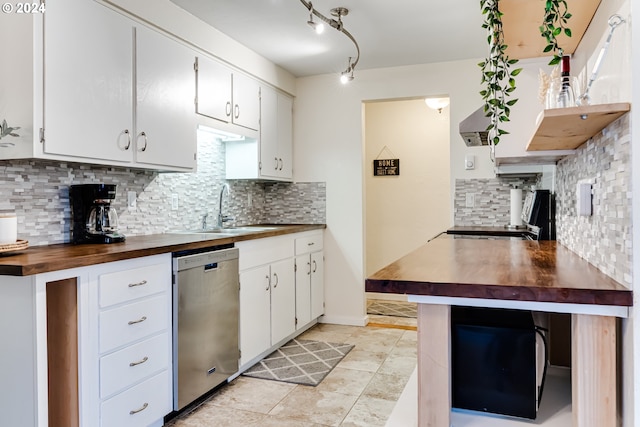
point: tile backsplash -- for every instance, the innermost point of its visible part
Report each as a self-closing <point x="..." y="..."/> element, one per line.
<point x="38" y="191"/>
<point x="604" y="238"/>
<point x="492" y="204"/>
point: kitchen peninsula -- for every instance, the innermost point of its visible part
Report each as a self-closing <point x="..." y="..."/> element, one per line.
<point x="515" y="274"/>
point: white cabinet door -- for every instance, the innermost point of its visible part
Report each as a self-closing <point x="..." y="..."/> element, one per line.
<point x="317" y="284"/>
<point x="214" y="90"/>
<point x="255" y="312"/>
<point x="165" y="92"/>
<point x="283" y="300"/>
<point x="269" y="163"/>
<point x="303" y="290"/>
<point x="88" y="81"/>
<point x="285" y="136"/>
<point x="246" y="102"/>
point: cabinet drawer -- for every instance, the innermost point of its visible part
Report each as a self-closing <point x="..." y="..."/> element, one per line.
<point x="308" y="244"/>
<point x="122" y="286"/>
<point x="264" y="251"/>
<point x="131" y="322"/>
<point x="131" y="364"/>
<point x="141" y="405"/>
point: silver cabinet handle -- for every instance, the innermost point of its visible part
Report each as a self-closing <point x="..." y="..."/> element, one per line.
<point x="135" y="411"/>
<point x="315" y="266"/>
<point x="309" y="272"/>
<point x="227" y="109"/>
<point x="128" y="134"/>
<point x="139" y="362"/>
<point x="276" y="276"/>
<point x="310" y="244"/>
<point x="140" y="320"/>
<point x="144" y="135"/>
<point x="281" y="164"/>
<point x="268" y="282"/>
<point x="133" y="285"/>
<point x="276" y="159"/>
<point x="236" y="111"/>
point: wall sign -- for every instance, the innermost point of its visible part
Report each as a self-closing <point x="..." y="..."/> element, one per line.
<point x="386" y="167"/>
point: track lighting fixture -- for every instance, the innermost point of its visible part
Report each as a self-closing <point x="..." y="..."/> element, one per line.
<point x="336" y="22"/>
<point x="318" y="27"/>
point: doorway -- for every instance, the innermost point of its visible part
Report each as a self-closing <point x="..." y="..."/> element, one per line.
<point x="404" y="209"/>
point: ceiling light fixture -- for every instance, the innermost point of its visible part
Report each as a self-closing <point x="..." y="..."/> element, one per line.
<point x="318" y="27"/>
<point x="338" y="12"/>
<point x="437" y="103"/>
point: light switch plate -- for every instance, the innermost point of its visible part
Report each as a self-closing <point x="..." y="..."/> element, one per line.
<point x="469" y="162"/>
<point x="131" y="200"/>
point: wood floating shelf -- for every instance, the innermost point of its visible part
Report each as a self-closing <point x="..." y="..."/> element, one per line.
<point x="569" y="128"/>
<point x="522" y="20"/>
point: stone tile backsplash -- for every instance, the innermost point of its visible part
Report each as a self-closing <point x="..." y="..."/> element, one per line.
<point x="492" y="199"/>
<point x="38" y="191"/>
<point x="604" y="238"/>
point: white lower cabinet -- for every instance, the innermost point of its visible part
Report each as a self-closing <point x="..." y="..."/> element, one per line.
<point x="309" y="278"/>
<point x="271" y="298"/>
<point x="125" y="343"/>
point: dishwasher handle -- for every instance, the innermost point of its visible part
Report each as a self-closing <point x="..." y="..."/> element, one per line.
<point x="203" y="259"/>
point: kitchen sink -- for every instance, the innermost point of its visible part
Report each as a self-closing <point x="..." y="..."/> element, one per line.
<point x="231" y="231"/>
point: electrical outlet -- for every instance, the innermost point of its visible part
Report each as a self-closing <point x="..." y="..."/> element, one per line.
<point x="131" y="200"/>
<point x="174" y="202"/>
<point x="470" y="200"/>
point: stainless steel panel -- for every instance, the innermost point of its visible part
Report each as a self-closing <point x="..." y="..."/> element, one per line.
<point x="206" y="316"/>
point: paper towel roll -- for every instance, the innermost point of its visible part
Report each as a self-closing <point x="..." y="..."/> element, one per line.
<point x="516" y="207"/>
<point x="8" y="229"/>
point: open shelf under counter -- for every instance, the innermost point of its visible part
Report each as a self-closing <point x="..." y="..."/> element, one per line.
<point x="569" y="128"/>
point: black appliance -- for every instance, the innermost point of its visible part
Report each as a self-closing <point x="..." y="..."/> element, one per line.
<point x="538" y="213"/>
<point x="93" y="219"/>
<point x="498" y="361"/>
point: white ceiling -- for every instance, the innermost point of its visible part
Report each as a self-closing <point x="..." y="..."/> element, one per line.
<point x="389" y="32"/>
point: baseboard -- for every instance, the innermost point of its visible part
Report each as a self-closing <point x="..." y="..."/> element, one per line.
<point x="345" y="320"/>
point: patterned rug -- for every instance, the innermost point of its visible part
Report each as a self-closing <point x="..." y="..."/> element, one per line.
<point x="300" y="362"/>
<point x="392" y="308"/>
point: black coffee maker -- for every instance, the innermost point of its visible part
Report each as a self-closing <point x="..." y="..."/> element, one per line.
<point x="93" y="220"/>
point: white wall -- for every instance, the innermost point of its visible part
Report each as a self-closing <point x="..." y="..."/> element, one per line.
<point x="403" y="212"/>
<point x="328" y="146"/>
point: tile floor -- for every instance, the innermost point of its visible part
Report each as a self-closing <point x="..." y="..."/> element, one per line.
<point x="361" y="391"/>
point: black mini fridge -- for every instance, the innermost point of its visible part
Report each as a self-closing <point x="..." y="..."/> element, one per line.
<point x="498" y="361"/>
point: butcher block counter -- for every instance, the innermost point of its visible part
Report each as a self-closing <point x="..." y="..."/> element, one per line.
<point x="44" y="259"/>
<point x="516" y="274"/>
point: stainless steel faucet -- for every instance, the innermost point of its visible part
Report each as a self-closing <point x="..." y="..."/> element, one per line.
<point x="222" y="218"/>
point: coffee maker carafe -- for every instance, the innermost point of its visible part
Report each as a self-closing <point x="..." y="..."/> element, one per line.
<point x="94" y="220"/>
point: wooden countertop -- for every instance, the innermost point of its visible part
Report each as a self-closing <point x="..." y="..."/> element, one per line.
<point x="43" y="259"/>
<point x="521" y="270"/>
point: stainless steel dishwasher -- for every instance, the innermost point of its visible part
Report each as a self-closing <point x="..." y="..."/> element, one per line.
<point x="206" y="302"/>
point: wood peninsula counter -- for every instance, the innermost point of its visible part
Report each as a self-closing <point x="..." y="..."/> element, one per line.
<point x="517" y="274"/>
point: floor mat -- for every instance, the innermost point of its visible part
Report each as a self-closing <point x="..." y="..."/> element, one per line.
<point x="300" y="362"/>
<point x="392" y="308"/>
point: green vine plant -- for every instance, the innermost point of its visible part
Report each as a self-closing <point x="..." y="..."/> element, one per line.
<point x="554" y="23"/>
<point x="498" y="80"/>
<point x="5" y="130"/>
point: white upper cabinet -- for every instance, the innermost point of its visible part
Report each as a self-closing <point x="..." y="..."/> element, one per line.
<point x="269" y="156"/>
<point x="276" y="135"/>
<point x="227" y="96"/>
<point x="87" y="82"/>
<point x="165" y="93"/>
<point x="105" y="99"/>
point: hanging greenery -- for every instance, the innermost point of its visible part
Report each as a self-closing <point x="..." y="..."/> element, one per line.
<point x="497" y="78"/>
<point x="554" y="23"/>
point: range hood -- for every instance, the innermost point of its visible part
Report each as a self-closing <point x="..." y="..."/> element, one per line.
<point x="473" y="129"/>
